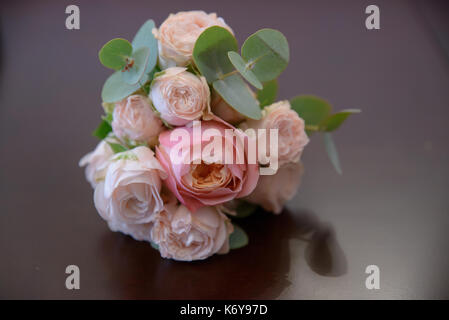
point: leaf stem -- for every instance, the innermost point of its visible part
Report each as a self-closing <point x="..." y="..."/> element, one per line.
<point x="228" y="74"/>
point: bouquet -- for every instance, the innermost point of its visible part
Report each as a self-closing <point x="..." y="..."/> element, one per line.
<point x="192" y="136"/>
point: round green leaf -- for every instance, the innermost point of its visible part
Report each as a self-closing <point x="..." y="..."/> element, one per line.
<point x="336" y="120"/>
<point x="114" y="53"/>
<point x="267" y="52"/>
<point x="210" y="53"/>
<point x="115" y="89"/>
<point x="245" y="209"/>
<point x="268" y="94"/>
<point x="238" y="238"/>
<point x="236" y="93"/>
<point x="133" y="74"/>
<point x="242" y="67"/>
<point x="145" y="38"/>
<point x="313" y="110"/>
<point x="332" y="153"/>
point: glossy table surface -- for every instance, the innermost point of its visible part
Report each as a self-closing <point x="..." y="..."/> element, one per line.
<point x="389" y="208"/>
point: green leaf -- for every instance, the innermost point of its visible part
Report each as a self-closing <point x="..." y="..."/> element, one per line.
<point x="114" y="53"/>
<point x="107" y="117"/>
<point x="145" y="38"/>
<point x="210" y="53"/>
<point x="154" y="245"/>
<point x="108" y="107"/>
<point x="102" y="130"/>
<point x="268" y="52"/>
<point x="116" y="147"/>
<point x="313" y="110"/>
<point x="238" y="238"/>
<point x="245" y="209"/>
<point x="331" y="150"/>
<point x="240" y="64"/>
<point x="336" y="120"/>
<point x="268" y="94"/>
<point x="236" y="93"/>
<point x="115" y="89"/>
<point x="135" y="73"/>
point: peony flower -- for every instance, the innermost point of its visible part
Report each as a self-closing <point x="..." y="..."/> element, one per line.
<point x="220" y="108"/>
<point x="180" y="96"/>
<point x="96" y="163"/>
<point x="130" y="192"/>
<point x="186" y="236"/>
<point x="199" y="180"/>
<point x="291" y="135"/>
<point x="272" y="192"/>
<point x="134" y="119"/>
<point x="178" y="33"/>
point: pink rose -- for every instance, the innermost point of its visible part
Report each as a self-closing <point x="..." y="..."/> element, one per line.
<point x="180" y="96"/>
<point x="96" y="163"/>
<point x="139" y="232"/>
<point x="272" y="192"/>
<point x="178" y="33"/>
<point x="196" y="182"/>
<point x="130" y="193"/>
<point x="134" y="120"/>
<point x="186" y="236"/>
<point x="291" y="135"/>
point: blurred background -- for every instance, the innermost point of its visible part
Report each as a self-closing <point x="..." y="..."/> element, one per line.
<point x="389" y="208"/>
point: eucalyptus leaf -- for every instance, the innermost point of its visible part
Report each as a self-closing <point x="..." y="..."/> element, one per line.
<point x="268" y="52"/>
<point x="245" y="209"/>
<point x="236" y="93"/>
<point x="210" y="53"/>
<point x="268" y="94"/>
<point x="313" y="110"/>
<point x="135" y="73"/>
<point x="102" y="130"/>
<point x="154" y="245"/>
<point x="116" y="147"/>
<point x="115" y="89"/>
<point x="145" y="38"/>
<point x="240" y="64"/>
<point x="332" y="153"/>
<point x="238" y="238"/>
<point x="336" y="120"/>
<point x="114" y="53"/>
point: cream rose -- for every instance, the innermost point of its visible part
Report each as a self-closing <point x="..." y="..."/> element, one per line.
<point x="130" y="192"/>
<point x="272" y="192"/>
<point x="178" y="33"/>
<point x="134" y="119"/>
<point x="180" y="96"/>
<point x="96" y="163"/>
<point x="182" y="235"/>
<point x="291" y="135"/>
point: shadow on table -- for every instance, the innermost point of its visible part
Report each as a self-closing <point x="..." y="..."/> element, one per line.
<point x="258" y="271"/>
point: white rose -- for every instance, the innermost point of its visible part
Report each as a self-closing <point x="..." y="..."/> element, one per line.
<point x="184" y="236"/>
<point x="134" y="119"/>
<point x="292" y="137"/>
<point x="130" y="192"/>
<point x="96" y="163"/>
<point x="178" y="33"/>
<point x="273" y="191"/>
<point x="180" y="96"/>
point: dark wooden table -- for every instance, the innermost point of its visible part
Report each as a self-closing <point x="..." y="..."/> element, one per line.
<point x="390" y="207"/>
